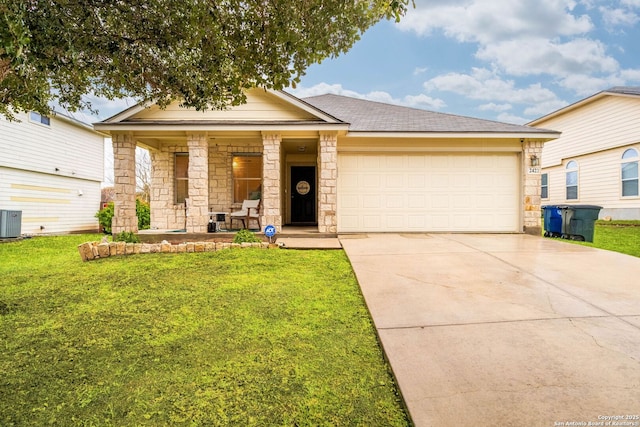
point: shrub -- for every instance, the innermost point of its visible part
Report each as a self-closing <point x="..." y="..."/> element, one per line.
<point x="126" y="236"/>
<point x="143" y="212"/>
<point x="105" y="216"/>
<point x="244" y="236"/>
<point x="144" y="215"/>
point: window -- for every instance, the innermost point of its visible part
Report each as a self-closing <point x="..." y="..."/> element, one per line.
<point x="39" y="118"/>
<point x="247" y="177"/>
<point x="181" y="177"/>
<point x="572" y="180"/>
<point x="629" y="173"/>
<point x="544" y="193"/>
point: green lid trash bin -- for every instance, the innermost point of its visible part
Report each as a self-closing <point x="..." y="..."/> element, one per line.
<point x="578" y="221"/>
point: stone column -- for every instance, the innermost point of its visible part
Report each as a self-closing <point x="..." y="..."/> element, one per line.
<point x="124" y="173"/>
<point x="532" y="181"/>
<point x="271" y="189"/>
<point x="328" y="183"/>
<point x="198" y="205"/>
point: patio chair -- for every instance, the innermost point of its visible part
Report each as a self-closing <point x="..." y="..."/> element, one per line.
<point x="250" y="211"/>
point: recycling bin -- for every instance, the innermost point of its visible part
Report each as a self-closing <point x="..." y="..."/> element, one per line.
<point x="552" y="219"/>
<point x="578" y="221"/>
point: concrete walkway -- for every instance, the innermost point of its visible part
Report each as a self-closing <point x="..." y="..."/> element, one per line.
<point x="504" y="330"/>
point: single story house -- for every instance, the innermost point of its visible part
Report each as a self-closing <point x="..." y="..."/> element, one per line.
<point x="51" y="168"/>
<point x="595" y="161"/>
<point x="339" y="163"/>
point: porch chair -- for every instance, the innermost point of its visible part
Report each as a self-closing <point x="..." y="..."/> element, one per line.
<point x="250" y="211"/>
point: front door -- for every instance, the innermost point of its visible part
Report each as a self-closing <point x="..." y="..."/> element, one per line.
<point x="303" y="194"/>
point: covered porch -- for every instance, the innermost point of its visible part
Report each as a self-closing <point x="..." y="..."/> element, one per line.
<point x="205" y="164"/>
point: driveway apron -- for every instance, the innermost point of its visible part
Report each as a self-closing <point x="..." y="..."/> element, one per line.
<point x="511" y="330"/>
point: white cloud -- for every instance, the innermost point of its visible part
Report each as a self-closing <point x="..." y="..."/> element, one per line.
<point x="543" y="56"/>
<point x="495" y="107"/>
<point x="486" y="85"/>
<point x="487" y="21"/>
<point x="416" y="101"/>
<point x="618" y="17"/>
<point x="420" y="70"/>
<point x="510" y="118"/>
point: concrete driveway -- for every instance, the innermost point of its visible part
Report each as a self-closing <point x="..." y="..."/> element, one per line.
<point x="509" y="330"/>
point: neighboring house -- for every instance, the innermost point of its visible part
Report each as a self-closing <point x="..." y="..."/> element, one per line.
<point x="595" y="161"/>
<point x="50" y="170"/>
<point x="343" y="164"/>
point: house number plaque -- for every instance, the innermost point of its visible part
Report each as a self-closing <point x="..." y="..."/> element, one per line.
<point x="303" y="188"/>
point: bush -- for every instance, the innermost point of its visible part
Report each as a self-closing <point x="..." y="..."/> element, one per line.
<point x="144" y="215"/>
<point x="126" y="236"/>
<point x="245" y="236"/>
<point x="105" y="216"/>
<point x="143" y="212"/>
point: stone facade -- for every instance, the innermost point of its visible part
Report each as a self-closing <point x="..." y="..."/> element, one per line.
<point x="532" y="180"/>
<point x="166" y="214"/>
<point x="328" y="183"/>
<point x="124" y="171"/>
<point x="198" y="204"/>
<point x="271" y="188"/>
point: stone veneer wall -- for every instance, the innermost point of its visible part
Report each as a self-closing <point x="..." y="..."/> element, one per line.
<point x="532" y="188"/>
<point x="271" y="209"/>
<point x="197" y="219"/>
<point x="328" y="183"/>
<point x="221" y="173"/>
<point x="165" y="213"/>
<point x="124" y="171"/>
<point x="96" y="250"/>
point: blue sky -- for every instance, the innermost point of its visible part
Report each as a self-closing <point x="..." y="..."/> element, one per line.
<point x="506" y="60"/>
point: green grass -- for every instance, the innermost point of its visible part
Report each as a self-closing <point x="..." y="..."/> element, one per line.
<point x="617" y="236"/>
<point x="236" y="337"/>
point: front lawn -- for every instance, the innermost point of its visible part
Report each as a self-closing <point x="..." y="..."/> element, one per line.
<point x="235" y="337"/>
<point x="617" y="236"/>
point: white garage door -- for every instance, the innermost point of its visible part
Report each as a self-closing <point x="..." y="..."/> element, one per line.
<point x="428" y="192"/>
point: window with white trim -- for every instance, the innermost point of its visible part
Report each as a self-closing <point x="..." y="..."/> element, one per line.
<point x="629" y="173"/>
<point x="36" y="117"/>
<point x="544" y="190"/>
<point x="572" y="180"/>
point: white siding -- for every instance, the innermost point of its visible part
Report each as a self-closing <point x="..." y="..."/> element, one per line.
<point x="612" y="121"/>
<point x="59" y="204"/>
<point x="77" y="152"/>
<point x="51" y="201"/>
<point x="260" y="105"/>
<point x="595" y="135"/>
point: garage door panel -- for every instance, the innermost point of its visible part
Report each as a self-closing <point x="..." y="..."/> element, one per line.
<point x="428" y="192"/>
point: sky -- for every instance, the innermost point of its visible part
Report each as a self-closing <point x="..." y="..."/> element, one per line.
<point x="506" y="60"/>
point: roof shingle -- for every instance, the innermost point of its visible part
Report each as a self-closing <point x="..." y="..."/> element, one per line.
<point x="371" y="116"/>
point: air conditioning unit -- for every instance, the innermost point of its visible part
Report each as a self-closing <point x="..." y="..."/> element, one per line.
<point x="10" y="223"/>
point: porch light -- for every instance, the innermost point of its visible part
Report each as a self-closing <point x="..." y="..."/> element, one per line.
<point x="302" y="148"/>
<point x="535" y="161"/>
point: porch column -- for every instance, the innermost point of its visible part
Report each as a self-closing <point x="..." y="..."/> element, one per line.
<point x="271" y="189"/>
<point x="124" y="174"/>
<point x="328" y="183"/>
<point x="198" y="205"/>
<point x="532" y="184"/>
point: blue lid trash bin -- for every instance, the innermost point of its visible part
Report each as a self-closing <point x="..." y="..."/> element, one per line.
<point x="578" y="221"/>
<point x="552" y="218"/>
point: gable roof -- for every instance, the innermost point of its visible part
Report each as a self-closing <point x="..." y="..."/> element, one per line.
<point x="371" y="116"/>
<point x="631" y="91"/>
